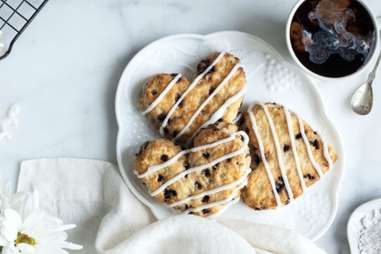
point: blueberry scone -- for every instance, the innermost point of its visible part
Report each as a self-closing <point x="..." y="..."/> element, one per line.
<point x="180" y="108"/>
<point x="203" y="180"/>
<point x="288" y="156"/>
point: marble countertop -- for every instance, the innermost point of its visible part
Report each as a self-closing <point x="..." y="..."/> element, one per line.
<point x="65" y="69"/>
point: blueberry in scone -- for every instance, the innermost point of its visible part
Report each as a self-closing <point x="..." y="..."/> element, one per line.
<point x="180" y="108"/>
<point x="203" y="180"/>
<point x="288" y="156"/>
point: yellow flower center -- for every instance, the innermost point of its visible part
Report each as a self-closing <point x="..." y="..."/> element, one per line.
<point x="24" y="238"/>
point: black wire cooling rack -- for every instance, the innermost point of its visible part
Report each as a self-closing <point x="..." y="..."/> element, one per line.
<point x="15" y="17"/>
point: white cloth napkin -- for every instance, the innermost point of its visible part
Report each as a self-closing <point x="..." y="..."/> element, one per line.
<point x="110" y="220"/>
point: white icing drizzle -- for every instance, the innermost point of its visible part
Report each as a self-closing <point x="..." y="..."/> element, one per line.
<point x="162" y="94"/>
<point x="308" y="147"/>
<point x="241" y="181"/>
<point x="226" y="206"/>
<point x="155" y="168"/>
<point x="327" y="156"/>
<point x="278" y="152"/>
<point x="176" y="178"/>
<point x="220" y="112"/>
<point x="294" y="150"/>
<point x="191" y="86"/>
<point x="217" y="90"/>
<point x="263" y="157"/>
<point x="232" y="199"/>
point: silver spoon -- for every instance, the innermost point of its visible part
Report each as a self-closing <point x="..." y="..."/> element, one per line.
<point x="362" y="99"/>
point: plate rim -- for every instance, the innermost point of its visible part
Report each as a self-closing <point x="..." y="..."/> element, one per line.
<point x="322" y="108"/>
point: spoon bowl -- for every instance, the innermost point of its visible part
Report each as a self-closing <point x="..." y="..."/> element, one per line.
<point x="362" y="99"/>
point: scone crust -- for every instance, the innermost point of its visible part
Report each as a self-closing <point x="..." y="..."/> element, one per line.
<point x="194" y="183"/>
<point x="153" y="88"/>
<point x="258" y="193"/>
<point x="194" y="99"/>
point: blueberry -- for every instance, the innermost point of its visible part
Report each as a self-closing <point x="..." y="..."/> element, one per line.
<point x="162" y="117"/>
<point x="309" y="176"/>
<point x="205" y="199"/>
<point x="169" y="193"/>
<point x="203" y="65"/>
<point x="164" y="158"/>
<point x="206" y="172"/>
<point x="205" y="211"/>
<point x="186" y="165"/>
<point x="256" y="158"/>
<point x="198" y="185"/>
<point x="315" y="143"/>
<point x="206" y="155"/>
<point x="279" y="185"/>
<point x="160" y="178"/>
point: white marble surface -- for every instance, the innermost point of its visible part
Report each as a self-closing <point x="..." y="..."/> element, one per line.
<point x="64" y="71"/>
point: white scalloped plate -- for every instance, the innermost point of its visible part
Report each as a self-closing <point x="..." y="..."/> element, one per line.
<point x="355" y="222"/>
<point x="313" y="213"/>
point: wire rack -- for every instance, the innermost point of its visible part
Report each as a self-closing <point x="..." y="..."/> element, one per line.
<point x="15" y="17"/>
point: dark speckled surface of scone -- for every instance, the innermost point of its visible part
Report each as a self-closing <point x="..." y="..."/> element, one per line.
<point x="195" y="98"/>
<point x="259" y="193"/>
<point x="196" y="192"/>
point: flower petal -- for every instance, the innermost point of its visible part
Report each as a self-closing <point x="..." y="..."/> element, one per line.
<point x="10" y="222"/>
<point x="66" y="227"/>
<point x="7" y="250"/>
<point x="71" y="246"/>
<point x="25" y="248"/>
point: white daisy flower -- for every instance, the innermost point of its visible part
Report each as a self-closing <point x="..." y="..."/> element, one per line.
<point x="32" y="231"/>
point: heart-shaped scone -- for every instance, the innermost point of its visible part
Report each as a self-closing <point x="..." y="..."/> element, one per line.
<point x="288" y="156"/>
<point x="202" y="180"/>
<point x="180" y="108"/>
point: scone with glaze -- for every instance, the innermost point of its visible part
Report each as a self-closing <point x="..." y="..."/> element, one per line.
<point x="203" y="180"/>
<point x="288" y="156"/>
<point x="180" y="108"/>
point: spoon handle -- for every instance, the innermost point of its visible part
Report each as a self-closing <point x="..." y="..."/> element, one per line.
<point x="372" y="75"/>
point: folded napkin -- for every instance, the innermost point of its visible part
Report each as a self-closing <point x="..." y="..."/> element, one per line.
<point x="110" y="220"/>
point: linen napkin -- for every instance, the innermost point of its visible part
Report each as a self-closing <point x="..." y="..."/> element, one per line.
<point x="110" y="220"/>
